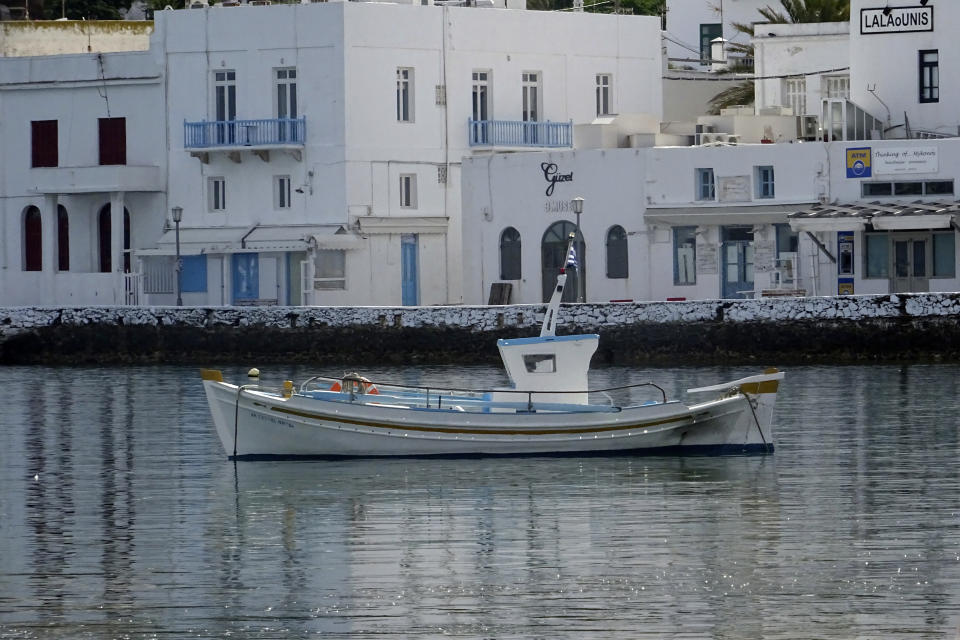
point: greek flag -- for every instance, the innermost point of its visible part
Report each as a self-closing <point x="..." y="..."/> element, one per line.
<point x="571" y="258"/>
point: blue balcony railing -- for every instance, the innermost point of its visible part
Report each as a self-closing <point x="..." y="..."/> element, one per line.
<point x="244" y="133"/>
<point x="517" y="133"/>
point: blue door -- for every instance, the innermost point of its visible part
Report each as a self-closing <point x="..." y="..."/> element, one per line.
<point x="410" y="289"/>
<point x="246" y="277"/>
<point x="737" y="262"/>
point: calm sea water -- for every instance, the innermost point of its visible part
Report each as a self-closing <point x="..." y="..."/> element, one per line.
<point x="121" y="517"/>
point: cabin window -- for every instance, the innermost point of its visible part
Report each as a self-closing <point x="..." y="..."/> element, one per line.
<point x="510" y="254"/>
<point x="540" y="363"/>
<point x="617" y="252"/>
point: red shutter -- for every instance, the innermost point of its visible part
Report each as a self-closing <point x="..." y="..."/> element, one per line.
<point x="43" y="143"/>
<point x="113" y="140"/>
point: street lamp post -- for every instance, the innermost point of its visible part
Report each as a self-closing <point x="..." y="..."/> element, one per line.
<point x="577" y="204"/>
<point x="177" y="217"/>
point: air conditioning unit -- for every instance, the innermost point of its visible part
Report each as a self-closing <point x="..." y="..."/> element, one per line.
<point x="199" y="4"/>
<point x="733" y="138"/>
<point x="708" y="138"/>
<point x="260" y="3"/>
<point x="808" y="128"/>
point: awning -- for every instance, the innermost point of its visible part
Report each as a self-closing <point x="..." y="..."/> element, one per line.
<point x="739" y="214"/>
<point x="252" y="238"/>
<point x="888" y="216"/>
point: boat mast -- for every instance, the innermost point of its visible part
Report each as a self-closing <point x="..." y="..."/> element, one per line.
<point x="549" y="327"/>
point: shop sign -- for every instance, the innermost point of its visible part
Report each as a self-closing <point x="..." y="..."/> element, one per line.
<point x="905" y="160"/>
<point x="552" y="175"/>
<point x="896" y="20"/>
<point x="858" y="162"/>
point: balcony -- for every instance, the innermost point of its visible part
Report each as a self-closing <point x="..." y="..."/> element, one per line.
<point x="518" y="133"/>
<point x="236" y="136"/>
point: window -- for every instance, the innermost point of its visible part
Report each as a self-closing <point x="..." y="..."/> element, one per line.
<point x="603" y="94"/>
<point x="113" y="140"/>
<point x="225" y="105"/>
<point x="510" y="254"/>
<point x="63" y="239"/>
<point x="481" y="108"/>
<point x="32" y="240"/>
<point x="930" y="76"/>
<point x="404" y="94"/>
<point x="193" y="275"/>
<point x="540" y="363"/>
<point x="330" y="269"/>
<point x="408" y="191"/>
<point x="764" y="181"/>
<point x="706" y="189"/>
<point x="530" y="105"/>
<point x="907" y="188"/>
<point x="217" y="194"/>
<point x="684" y="255"/>
<point x="281" y="192"/>
<point x="944" y="255"/>
<point x="836" y="87"/>
<point x="286" y="92"/>
<point x="877" y="255"/>
<point x="796" y="94"/>
<point x="708" y="32"/>
<point x="43" y="143"/>
<point x="617" y="252"/>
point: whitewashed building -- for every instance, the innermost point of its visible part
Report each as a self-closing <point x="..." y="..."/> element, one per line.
<point x="716" y="222"/>
<point x="690" y="26"/>
<point x="82" y="175"/>
<point x="312" y="150"/>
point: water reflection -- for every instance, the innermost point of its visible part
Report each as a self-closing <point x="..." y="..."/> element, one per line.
<point x="120" y="515"/>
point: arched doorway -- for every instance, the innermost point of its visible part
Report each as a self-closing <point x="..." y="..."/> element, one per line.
<point x="103" y="229"/>
<point x="553" y="252"/>
<point x="32" y="240"/>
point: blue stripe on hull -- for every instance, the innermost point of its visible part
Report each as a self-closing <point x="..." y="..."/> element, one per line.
<point x="694" y="450"/>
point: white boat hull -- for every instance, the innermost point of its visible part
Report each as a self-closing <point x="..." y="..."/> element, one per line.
<point x="258" y="424"/>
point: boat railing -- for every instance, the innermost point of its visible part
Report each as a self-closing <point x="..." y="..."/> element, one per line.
<point x="453" y="398"/>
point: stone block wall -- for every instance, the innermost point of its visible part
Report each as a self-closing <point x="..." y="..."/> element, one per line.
<point x="768" y="330"/>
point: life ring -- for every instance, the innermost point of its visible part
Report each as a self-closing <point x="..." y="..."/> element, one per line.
<point x="359" y="384"/>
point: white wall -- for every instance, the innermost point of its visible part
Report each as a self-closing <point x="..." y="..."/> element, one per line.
<point x="76" y="90"/>
<point x="684" y="18"/>
<point x="889" y="63"/>
<point x="789" y="49"/>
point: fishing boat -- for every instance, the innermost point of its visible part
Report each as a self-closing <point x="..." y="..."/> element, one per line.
<point x="547" y="409"/>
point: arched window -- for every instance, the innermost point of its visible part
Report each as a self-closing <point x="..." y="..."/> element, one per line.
<point x="103" y="226"/>
<point x="553" y="256"/>
<point x="617" y="252"/>
<point x="63" y="239"/>
<point x="32" y="240"/>
<point x="510" y="254"/>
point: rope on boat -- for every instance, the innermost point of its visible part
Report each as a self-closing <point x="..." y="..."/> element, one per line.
<point x="756" y="421"/>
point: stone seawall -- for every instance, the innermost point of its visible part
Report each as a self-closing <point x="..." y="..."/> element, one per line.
<point x="769" y="330"/>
